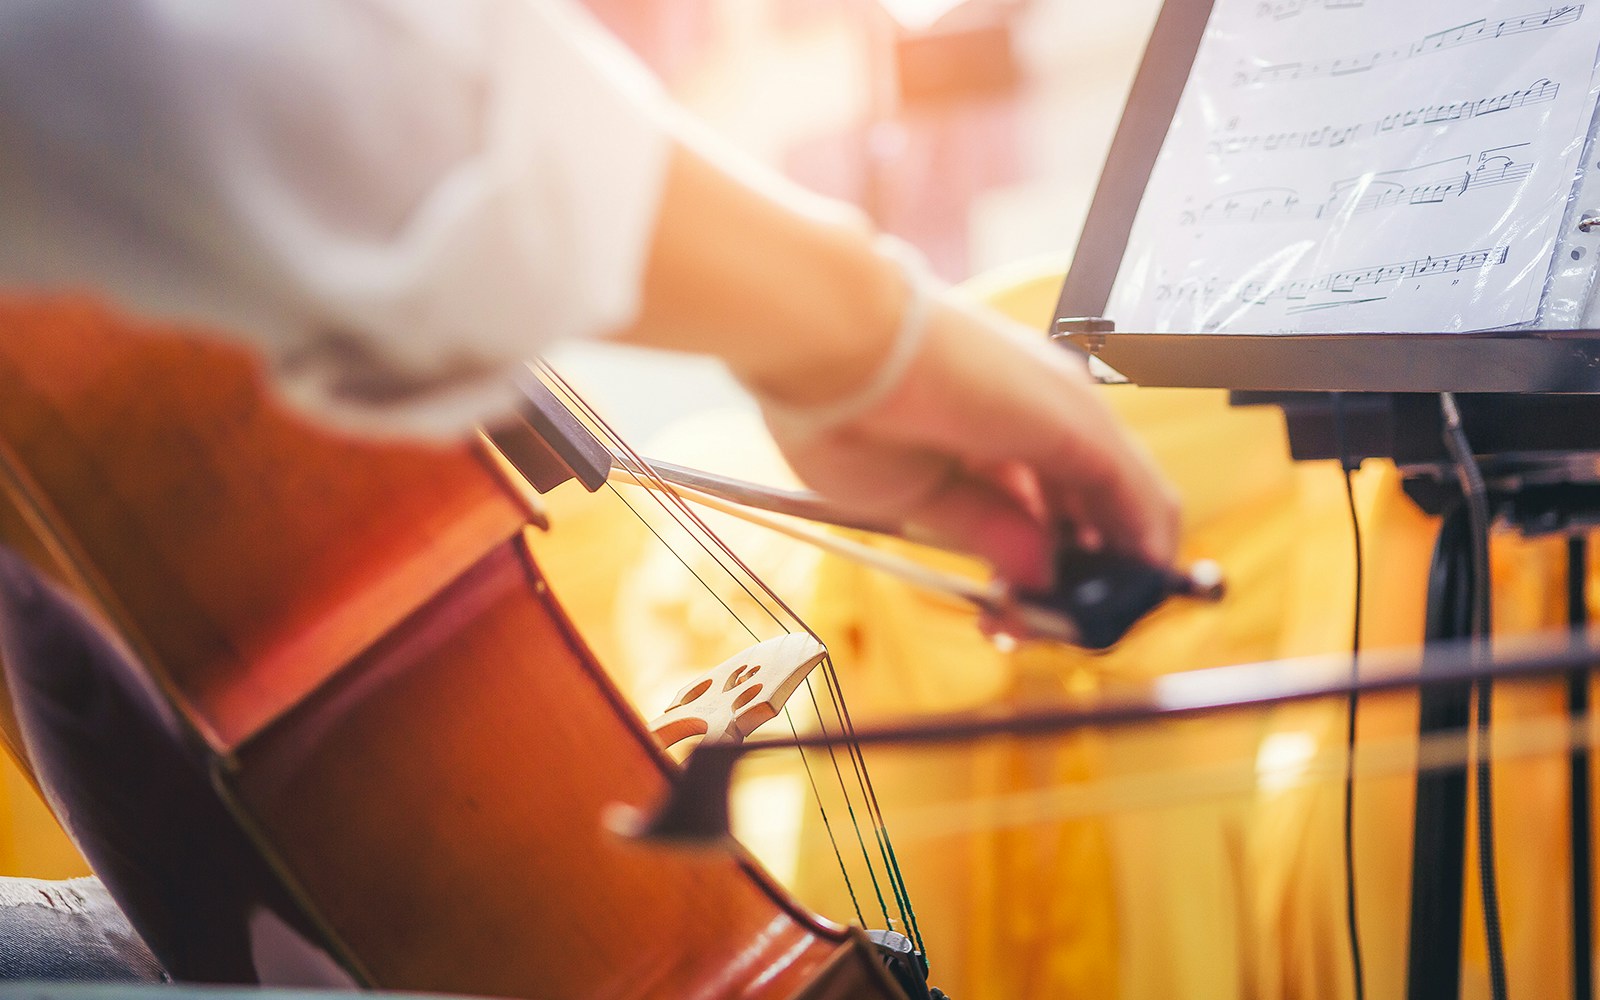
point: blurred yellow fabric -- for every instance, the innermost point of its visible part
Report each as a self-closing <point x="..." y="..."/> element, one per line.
<point x="1139" y="904"/>
<point x="1127" y="906"/>
<point x="1237" y="896"/>
<point x="31" y="842"/>
<point x="1229" y="897"/>
<point x="1245" y="898"/>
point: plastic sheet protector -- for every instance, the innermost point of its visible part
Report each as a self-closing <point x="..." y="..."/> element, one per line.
<point x="1369" y="165"/>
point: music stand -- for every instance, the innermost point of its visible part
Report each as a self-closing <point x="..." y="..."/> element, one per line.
<point x="1530" y="402"/>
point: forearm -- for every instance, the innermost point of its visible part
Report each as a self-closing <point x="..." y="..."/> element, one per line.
<point x="789" y="293"/>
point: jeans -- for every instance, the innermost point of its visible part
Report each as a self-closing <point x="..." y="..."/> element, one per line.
<point x="69" y="931"/>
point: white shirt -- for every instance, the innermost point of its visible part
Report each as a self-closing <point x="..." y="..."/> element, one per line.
<point x="396" y="200"/>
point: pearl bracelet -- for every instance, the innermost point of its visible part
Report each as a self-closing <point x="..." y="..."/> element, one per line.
<point x="920" y="287"/>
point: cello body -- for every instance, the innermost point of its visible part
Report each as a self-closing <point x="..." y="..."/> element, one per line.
<point x="348" y="648"/>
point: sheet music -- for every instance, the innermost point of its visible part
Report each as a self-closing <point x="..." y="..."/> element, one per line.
<point x="1383" y="165"/>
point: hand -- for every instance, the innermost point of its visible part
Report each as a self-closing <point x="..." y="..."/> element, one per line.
<point x="992" y="440"/>
<point x="989" y="441"/>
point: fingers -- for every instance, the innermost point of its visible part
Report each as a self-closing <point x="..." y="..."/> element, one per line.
<point x="1118" y="499"/>
<point x="974" y="516"/>
<point x="992" y="440"/>
<point x="997" y="397"/>
<point x="1098" y="477"/>
<point x="938" y="502"/>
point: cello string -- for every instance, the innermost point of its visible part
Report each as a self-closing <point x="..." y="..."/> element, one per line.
<point x="834" y="689"/>
<point x="850" y="808"/>
<point x="827" y="826"/>
<point x="669" y="504"/>
<point x="880" y="826"/>
<point x="635" y="467"/>
<point x="816" y="790"/>
<point x="640" y="471"/>
<point x="858" y="762"/>
<point x="687" y="514"/>
<point x="892" y="873"/>
<point x="880" y="831"/>
<point x="678" y="511"/>
<point x="809" y="771"/>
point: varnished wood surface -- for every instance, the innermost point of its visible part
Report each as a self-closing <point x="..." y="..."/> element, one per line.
<point x="388" y="694"/>
<point x="460" y="752"/>
<point x="248" y="554"/>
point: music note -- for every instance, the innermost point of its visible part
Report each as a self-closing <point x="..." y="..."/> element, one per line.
<point x="1455" y="36"/>
<point x="1496" y="167"/>
<point x="1349" y="280"/>
<point x="1230" y="143"/>
<point x="1279" y="10"/>
<point x="1246" y="206"/>
<point x="1437" y="150"/>
<point x="1429" y="184"/>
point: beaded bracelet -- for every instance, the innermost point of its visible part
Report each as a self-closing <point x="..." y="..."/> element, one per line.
<point x="920" y="287"/>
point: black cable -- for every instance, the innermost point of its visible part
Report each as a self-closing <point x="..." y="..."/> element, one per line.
<point x="1351" y="925"/>
<point x="1475" y="493"/>
<point x="1349" y="464"/>
<point x="1487" y="881"/>
<point x="1581" y="825"/>
<point x="1438" y="848"/>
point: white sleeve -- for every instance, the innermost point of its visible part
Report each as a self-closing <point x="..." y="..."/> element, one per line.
<point x="397" y="200"/>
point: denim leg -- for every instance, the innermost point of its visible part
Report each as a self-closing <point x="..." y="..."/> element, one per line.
<point x="68" y="930"/>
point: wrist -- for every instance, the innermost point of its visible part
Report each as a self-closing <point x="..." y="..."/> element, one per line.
<point x="791" y="291"/>
<point x="846" y="328"/>
<point x="868" y="370"/>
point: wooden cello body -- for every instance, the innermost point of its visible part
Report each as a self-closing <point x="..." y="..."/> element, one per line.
<point x="353" y="650"/>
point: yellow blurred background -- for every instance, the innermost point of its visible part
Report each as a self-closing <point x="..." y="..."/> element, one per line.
<point x="1234" y="896"/>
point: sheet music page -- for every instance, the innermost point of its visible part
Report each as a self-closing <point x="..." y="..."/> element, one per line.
<point x="1365" y="165"/>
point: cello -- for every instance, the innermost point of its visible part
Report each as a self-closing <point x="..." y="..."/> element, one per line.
<point x="338" y="661"/>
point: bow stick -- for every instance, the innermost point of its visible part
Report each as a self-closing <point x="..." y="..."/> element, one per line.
<point x="1095" y="599"/>
<point x="694" y="810"/>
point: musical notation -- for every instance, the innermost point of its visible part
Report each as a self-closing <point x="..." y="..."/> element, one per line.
<point x="1428" y="184"/>
<point x="1279" y="10"/>
<point x="1412" y="145"/>
<point x="1540" y="91"/>
<point x="1472" y="32"/>
<point x="1343" y="283"/>
<point x="1441" y="180"/>
<point x="1250" y="205"/>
